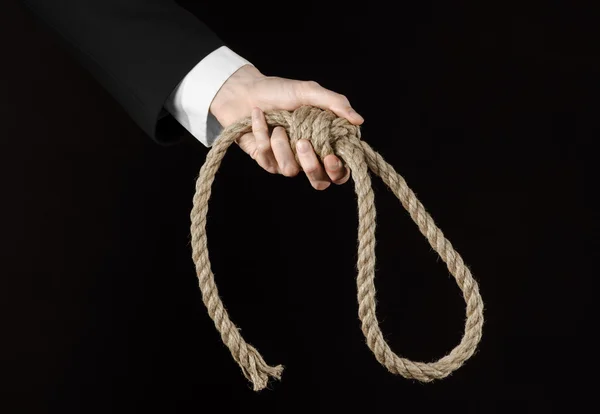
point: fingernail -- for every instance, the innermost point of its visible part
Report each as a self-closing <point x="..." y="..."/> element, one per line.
<point x="303" y="146"/>
<point x="255" y="113"/>
<point x="356" y="116"/>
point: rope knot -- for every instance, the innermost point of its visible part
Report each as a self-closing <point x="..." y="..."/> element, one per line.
<point x="322" y="128"/>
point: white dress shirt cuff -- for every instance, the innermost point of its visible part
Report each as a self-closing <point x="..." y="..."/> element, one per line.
<point x="189" y="103"/>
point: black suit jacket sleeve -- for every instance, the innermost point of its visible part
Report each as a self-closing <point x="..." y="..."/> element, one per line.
<point x="138" y="50"/>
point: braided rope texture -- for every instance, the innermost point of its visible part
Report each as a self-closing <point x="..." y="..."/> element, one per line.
<point x="330" y="134"/>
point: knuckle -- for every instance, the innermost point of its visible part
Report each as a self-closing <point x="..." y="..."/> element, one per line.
<point x="254" y="153"/>
<point x="321" y="185"/>
<point x="311" y="169"/>
<point x="290" y="170"/>
<point x="309" y="86"/>
<point x="263" y="147"/>
<point x="271" y="169"/>
<point x="343" y="100"/>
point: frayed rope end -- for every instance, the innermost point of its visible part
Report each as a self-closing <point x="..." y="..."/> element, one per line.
<point x="257" y="371"/>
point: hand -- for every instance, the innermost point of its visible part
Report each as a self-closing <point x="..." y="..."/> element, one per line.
<point x="248" y="93"/>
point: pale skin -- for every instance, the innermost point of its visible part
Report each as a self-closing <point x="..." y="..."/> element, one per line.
<point x="249" y="93"/>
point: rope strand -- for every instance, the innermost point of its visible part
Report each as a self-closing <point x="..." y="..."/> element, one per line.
<point x="332" y="135"/>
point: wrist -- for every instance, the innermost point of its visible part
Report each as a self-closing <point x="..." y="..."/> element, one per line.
<point x="232" y="100"/>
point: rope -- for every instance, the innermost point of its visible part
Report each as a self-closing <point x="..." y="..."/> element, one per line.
<point x="332" y="135"/>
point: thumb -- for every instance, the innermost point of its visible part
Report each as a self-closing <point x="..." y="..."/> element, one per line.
<point x="311" y="93"/>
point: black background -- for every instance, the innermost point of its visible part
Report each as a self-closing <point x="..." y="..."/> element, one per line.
<point x="486" y="108"/>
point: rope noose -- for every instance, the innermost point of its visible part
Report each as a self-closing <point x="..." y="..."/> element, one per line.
<point x="332" y="135"/>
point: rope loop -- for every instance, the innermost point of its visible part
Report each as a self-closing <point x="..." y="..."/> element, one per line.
<point x="332" y="135"/>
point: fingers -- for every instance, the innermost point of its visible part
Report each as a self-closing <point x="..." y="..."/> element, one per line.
<point x="263" y="154"/>
<point x="311" y="165"/>
<point x="333" y="167"/>
<point x="274" y="154"/>
<point x="311" y="93"/>
<point x="286" y="161"/>
<point x="247" y="143"/>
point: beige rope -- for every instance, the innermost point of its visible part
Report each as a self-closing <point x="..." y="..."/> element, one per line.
<point x="332" y="135"/>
